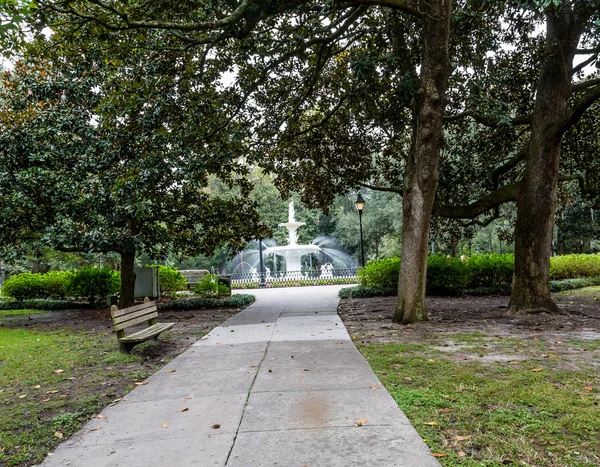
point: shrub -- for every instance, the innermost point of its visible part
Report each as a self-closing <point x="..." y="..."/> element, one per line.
<point x="446" y="274"/>
<point x="490" y="270"/>
<point x="23" y="286"/>
<point x="209" y="286"/>
<point x="360" y="291"/>
<point x="571" y="284"/>
<point x="235" y="301"/>
<point x="93" y="284"/>
<point x="380" y="274"/>
<point x="574" y="266"/>
<point x="36" y="286"/>
<point x="171" y="280"/>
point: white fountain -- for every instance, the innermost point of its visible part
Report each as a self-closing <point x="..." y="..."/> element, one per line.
<point x="292" y="252"/>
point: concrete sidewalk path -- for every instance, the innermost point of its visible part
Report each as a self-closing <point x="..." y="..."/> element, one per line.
<point x="279" y="384"/>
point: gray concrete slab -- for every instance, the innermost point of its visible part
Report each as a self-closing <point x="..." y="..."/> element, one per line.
<point x="269" y="411"/>
<point x="283" y="382"/>
<point x="335" y="447"/>
<point x="179" y="385"/>
<point x="146" y="420"/>
<point x="194" y="450"/>
<point x="317" y="378"/>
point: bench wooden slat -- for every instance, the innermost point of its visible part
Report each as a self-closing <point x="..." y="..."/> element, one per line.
<point x="131" y="322"/>
<point x="135" y="314"/>
<point x="132" y="309"/>
<point x="147" y="333"/>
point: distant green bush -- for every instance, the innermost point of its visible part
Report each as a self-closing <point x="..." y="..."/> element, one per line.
<point x="360" y="291"/>
<point x="574" y="266"/>
<point x="446" y="275"/>
<point x="235" y="301"/>
<point x="490" y="270"/>
<point x="380" y="274"/>
<point x="171" y="281"/>
<point x="478" y="274"/>
<point x="36" y="286"/>
<point x="571" y="284"/>
<point x="209" y="286"/>
<point x="92" y="284"/>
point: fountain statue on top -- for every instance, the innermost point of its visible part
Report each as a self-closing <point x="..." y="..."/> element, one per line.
<point x="291" y="225"/>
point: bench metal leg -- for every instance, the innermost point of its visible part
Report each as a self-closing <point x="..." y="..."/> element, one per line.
<point x="126" y="346"/>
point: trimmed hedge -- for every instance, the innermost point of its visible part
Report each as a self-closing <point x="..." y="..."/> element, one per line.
<point x="44" y="305"/>
<point x="88" y="283"/>
<point x="360" y="291"/>
<point x="36" y="286"/>
<point x="574" y="266"/>
<point x="92" y="284"/>
<point x="479" y="274"/>
<point x="235" y="301"/>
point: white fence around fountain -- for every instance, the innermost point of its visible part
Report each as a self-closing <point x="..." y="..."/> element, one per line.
<point x="326" y="275"/>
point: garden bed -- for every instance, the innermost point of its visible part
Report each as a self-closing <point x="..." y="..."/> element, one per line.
<point x="485" y="389"/>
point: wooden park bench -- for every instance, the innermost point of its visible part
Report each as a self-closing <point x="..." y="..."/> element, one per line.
<point x="127" y="317"/>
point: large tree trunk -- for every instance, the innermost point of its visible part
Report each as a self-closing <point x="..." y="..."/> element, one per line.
<point x="536" y="200"/>
<point x="127" y="279"/>
<point x="421" y="175"/>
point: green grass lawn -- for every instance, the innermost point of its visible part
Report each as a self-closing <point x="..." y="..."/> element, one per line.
<point x="537" y="412"/>
<point x="52" y="382"/>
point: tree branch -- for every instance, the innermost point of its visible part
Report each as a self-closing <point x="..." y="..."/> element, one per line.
<point x="583" y="85"/>
<point x="495" y="198"/>
<point x="406" y="6"/>
<point x="509" y="165"/>
<point x="382" y="188"/>
<point x="578" y="109"/>
<point x="487" y="120"/>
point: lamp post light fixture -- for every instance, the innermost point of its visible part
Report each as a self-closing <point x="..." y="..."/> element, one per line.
<point x="359" y="204"/>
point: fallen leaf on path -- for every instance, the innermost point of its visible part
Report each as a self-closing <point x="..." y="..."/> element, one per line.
<point x="439" y="454"/>
<point x="430" y="423"/>
<point x="361" y="422"/>
<point x="216" y="426"/>
<point x="96" y="428"/>
<point x="171" y="371"/>
<point x="373" y="387"/>
<point x="253" y="366"/>
<point x="141" y="383"/>
<point x="274" y="358"/>
<point x="537" y="369"/>
<point x="101" y="417"/>
<point x="166" y="425"/>
<point x="185" y="409"/>
<point x="303" y="369"/>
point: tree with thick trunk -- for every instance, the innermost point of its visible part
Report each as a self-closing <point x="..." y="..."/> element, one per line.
<point x="421" y="175"/>
<point x="126" y="297"/>
<point x="536" y="199"/>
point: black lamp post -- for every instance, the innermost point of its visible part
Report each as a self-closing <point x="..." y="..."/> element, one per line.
<point x="261" y="275"/>
<point x="359" y="204"/>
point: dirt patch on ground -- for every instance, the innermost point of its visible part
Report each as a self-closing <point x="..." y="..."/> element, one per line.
<point x="468" y="328"/>
<point x="190" y="325"/>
